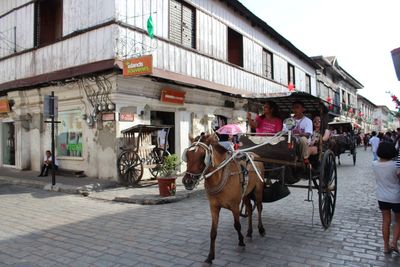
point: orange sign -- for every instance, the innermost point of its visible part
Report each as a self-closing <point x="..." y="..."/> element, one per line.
<point x="172" y="96"/>
<point x="4" y="106"/>
<point x="138" y="66"/>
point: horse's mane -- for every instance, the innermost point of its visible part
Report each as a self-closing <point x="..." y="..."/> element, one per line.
<point x="210" y="139"/>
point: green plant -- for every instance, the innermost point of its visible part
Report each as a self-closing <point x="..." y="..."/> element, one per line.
<point x="170" y="166"/>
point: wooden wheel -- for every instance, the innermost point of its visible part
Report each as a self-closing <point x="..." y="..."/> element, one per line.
<point x="327" y="188"/>
<point x="157" y="157"/>
<point x="130" y="168"/>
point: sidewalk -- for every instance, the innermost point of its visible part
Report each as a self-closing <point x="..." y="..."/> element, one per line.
<point x="146" y="192"/>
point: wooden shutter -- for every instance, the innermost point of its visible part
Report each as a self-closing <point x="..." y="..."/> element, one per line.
<point x="267" y="64"/>
<point x="175" y="23"/>
<point x="36" y="31"/>
<point x="264" y="63"/>
<point x="188" y="27"/>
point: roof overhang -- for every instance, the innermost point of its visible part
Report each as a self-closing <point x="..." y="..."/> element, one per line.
<point x="59" y="75"/>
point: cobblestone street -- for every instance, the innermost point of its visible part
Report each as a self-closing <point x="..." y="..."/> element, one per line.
<point x="40" y="228"/>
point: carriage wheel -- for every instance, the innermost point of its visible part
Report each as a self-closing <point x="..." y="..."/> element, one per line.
<point x="243" y="212"/>
<point x="130" y="168"/>
<point x="157" y="157"/>
<point x="354" y="156"/>
<point x="327" y="188"/>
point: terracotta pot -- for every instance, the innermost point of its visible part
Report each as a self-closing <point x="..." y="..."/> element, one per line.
<point x="167" y="186"/>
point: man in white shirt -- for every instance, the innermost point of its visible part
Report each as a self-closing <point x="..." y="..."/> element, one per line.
<point x="303" y="129"/>
<point x="162" y="139"/>
<point x="47" y="164"/>
<point x="374" y="142"/>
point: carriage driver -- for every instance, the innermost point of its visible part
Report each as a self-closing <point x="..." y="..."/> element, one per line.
<point x="303" y="129"/>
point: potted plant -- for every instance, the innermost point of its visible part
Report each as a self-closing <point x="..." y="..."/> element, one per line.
<point x="168" y="175"/>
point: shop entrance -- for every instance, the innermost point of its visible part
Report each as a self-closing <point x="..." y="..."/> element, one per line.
<point x="8" y="143"/>
<point x="164" y="118"/>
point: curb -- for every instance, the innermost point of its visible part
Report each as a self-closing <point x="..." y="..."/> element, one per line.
<point x="157" y="200"/>
<point x="58" y="187"/>
<point x="24" y="182"/>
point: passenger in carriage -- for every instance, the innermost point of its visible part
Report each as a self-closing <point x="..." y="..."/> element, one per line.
<point x="269" y="122"/>
<point x="316" y="136"/>
<point x="303" y="129"/>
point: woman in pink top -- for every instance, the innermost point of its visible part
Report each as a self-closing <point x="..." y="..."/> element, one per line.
<point x="268" y="123"/>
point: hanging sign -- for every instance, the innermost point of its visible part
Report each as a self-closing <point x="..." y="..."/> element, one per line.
<point x="126" y="116"/>
<point x="172" y="96"/>
<point x="138" y="66"/>
<point x="109" y="116"/>
<point x="4" y="106"/>
<point x="50" y="106"/>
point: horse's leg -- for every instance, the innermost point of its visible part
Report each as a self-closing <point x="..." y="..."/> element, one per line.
<point x="259" y="196"/>
<point x="213" y="234"/>
<point x="249" y="210"/>
<point x="238" y="227"/>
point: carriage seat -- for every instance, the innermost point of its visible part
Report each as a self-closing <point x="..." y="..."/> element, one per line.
<point x="278" y="148"/>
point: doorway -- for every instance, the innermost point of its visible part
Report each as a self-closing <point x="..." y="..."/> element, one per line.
<point x="8" y="143"/>
<point x="165" y="118"/>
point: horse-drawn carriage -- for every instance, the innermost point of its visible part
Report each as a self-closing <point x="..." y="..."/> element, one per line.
<point x="234" y="176"/>
<point x="343" y="139"/>
<point x="139" y="151"/>
<point x="283" y="163"/>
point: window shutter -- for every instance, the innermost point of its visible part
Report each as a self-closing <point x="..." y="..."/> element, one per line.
<point x="188" y="27"/>
<point x="264" y="63"/>
<point x="175" y="26"/>
<point x="269" y="65"/>
<point x="36" y="32"/>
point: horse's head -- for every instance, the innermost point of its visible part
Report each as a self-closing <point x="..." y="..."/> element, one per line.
<point x="198" y="157"/>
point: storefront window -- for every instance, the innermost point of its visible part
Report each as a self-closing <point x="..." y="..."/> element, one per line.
<point x="69" y="137"/>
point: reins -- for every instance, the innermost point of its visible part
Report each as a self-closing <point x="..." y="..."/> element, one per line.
<point x="245" y="152"/>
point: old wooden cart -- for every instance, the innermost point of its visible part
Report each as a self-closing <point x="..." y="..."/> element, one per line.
<point x="320" y="175"/>
<point x="139" y="151"/>
<point x="343" y="139"/>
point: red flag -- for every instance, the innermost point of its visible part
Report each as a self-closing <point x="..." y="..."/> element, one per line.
<point x="291" y="87"/>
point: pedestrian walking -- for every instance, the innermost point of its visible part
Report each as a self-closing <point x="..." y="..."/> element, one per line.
<point x="388" y="194"/>
<point x="374" y="142"/>
<point x="366" y="141"/>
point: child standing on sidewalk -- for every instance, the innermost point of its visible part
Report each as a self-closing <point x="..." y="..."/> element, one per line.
<point x="388" y="193"/>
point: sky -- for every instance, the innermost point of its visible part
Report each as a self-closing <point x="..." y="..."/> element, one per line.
<point x="360" y="33"/>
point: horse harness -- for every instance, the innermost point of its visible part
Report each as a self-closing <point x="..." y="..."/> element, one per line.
<point x="241" y="160"/>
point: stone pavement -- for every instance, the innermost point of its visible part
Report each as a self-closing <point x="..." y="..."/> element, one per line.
<point x="145" y="193"/>
<point x="44" y="228"/>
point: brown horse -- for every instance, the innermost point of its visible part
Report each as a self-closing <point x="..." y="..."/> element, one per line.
<point x="223" y="185"/>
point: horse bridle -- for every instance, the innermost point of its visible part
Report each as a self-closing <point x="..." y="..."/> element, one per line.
<point x="208" y="159"/>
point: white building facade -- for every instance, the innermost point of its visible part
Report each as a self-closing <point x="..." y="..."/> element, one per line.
<point x="209" y="52"/>
<point x="365" y="114"/>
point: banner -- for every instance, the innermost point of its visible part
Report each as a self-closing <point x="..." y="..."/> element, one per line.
<point x="138" y="66"/>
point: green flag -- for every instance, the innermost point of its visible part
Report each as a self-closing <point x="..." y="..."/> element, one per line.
<point x="150" y="27"/>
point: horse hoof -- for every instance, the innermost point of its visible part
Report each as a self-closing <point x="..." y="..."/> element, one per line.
<point x="209" y="260"/>
<point x="261" y="231"/>
<point x="241" y="249"/>
<point x="242" y="244"/>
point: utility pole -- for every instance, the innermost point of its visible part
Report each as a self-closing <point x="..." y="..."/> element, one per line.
<point x="53" y="156"/>
<point x="51" y="110"/>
